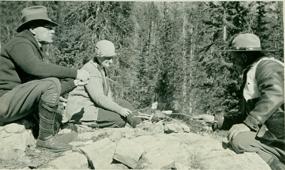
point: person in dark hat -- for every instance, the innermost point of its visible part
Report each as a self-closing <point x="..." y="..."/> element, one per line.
<point x="259" y="125"/>
<point x="28" y="85"/>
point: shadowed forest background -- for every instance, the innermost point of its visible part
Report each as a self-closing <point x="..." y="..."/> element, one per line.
<point x="170" y="52"/>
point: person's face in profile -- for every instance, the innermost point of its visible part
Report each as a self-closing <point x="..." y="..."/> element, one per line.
<point x="106" y="61"/>
<point x="43" y="34"/>
<point x="239" y="60"/>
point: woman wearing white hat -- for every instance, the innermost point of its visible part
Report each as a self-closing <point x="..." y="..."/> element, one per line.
<point x="93" y="104"/>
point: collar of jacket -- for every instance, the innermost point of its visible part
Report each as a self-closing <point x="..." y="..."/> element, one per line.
<point x="26" y="34"/>
<point x="100" y="67"/>
<point x="250" y="65"/>
<point x="29" y="35"/>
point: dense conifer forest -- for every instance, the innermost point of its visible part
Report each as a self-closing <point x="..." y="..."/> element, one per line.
<point x="170" y="52"/>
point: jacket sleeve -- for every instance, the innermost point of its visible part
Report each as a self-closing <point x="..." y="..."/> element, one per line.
<point x="270" y="81"/>
<point x="24" y="57"/>
<point x="95" y="91"/>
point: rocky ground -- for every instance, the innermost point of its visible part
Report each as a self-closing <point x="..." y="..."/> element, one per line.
<point x="168" y="143"/>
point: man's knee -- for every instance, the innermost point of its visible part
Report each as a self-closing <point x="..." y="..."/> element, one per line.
<point x="3" y="108"/>
<point x="243" y="142"/>
<point x="52" y="82"/>
<point x="51" y="90"/>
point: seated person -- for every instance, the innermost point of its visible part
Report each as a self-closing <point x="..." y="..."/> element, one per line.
<point x="259" y="124"/>
<point x="93" y="103"/>
<point x="30" y="88"/>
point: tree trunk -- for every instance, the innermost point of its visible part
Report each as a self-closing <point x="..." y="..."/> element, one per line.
<point x="184" y="57"/>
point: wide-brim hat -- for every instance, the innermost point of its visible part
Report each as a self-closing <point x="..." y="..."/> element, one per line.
<point x="34" y="14"/>
<point x="246" y="42"/>
<point x="106" y="48"/>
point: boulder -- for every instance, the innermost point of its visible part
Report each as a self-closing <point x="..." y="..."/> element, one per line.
<point x="195" y="152"/>
<point x="228" y="160"/>
<point x="14" y="141"/>
<point x="128" y="152"/>
<point x="161" y="150"/>
<point x="101" y="153"/>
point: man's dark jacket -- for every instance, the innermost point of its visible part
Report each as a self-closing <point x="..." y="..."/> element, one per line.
<point x="21" y="60"/>
<point x="264" y="114"/>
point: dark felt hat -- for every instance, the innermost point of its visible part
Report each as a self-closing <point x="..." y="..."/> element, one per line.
<point x="34" y="14"/>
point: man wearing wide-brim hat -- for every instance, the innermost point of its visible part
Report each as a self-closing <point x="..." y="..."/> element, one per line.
<point x="259" y="125"/>
<point x="30" y="86"/>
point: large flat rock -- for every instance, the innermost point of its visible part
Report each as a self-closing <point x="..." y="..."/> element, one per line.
<point x="128" y="152"/>
<point x="195" y="152"/>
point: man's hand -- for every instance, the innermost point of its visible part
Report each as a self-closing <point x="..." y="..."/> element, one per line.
<point x="62" y="99"/>
<point x="82" y="75"/>
<point x="80" y="83"/>
<point x="125" y="112"/>
<point x="236" y="129"/>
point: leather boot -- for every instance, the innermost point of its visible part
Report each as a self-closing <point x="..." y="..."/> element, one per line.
<point x="49" y="124"/>
<point x="133" y="120"/>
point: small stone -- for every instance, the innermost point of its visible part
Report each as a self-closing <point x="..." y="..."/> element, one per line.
<point x="116" y="136"/>
<point x="85" y="136"/>
<point x="185" y="128"/>
<point x="158" y="128"/>
<point x="175" y="165"/>
<point x="172" y="128"/>
<point x="71" y="160"/>
<point x="14" y="128"/>
<point x="64" y="131"/>
<point x="176" y="127"/>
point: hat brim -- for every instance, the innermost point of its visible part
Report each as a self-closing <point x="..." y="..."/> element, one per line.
<point x="248" y="50"/>
<point x="111" y="55"/>
<point x="40" y="22"/>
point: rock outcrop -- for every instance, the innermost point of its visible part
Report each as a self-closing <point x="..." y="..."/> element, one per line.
<point x="161" y="145"/>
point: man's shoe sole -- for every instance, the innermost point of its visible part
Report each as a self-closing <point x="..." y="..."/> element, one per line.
<point x="52" y="149"/>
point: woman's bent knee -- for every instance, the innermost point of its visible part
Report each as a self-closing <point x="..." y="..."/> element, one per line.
<point x="119" y="123"/>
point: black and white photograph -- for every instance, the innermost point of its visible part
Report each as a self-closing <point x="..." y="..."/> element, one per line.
<point x="171" y="85"/>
